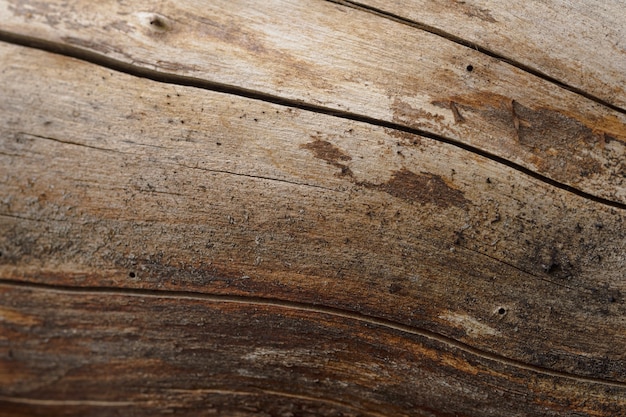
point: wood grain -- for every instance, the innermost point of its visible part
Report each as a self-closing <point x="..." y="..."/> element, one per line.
<point x="200" y="191"/>
<point x="581" y="44"/>
<point x="353" y="62"/>
<point x="169" y="354"/>
<point x="238" y="208"/>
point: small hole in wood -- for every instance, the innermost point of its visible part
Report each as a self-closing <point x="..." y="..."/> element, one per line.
<point x="132" y="274"/>
<point x="469" y="68"/>
<point x="158" y="23"/>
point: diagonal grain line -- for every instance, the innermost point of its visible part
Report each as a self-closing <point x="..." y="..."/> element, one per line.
<point x="282" y="394"/>
<point x="257" y="177"/>
<point x="460" y="41"/>
<point x="219" y="171"/>
<point x="317" y="309"/>
<point x="66" y="403"/>
<point x="198" y="392"/>
<point x="15" y="216"/>
<point x="186" y="81"/>
<point x="69" y="142"/>
<point x="525" y="272"/>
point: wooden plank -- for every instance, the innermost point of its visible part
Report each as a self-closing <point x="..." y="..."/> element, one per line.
<point x="183" y="189"/>
<point x="335" y="57"/>
<point x="172" y="354"/>
<point x="579" y="43"/>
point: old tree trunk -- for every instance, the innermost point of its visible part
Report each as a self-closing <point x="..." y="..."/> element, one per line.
<point x="296" y="208"/>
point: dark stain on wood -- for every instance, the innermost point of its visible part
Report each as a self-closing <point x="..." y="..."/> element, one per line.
<point x="555" y="262"/>
<point x="452" y="106"/>
<point x="328" y="152"/>
<point x="422" y="188"/>
<point x="404" y="113"/>
<point x="559" y="141"/>
<point x="560" y="145"/>
<point x="406" y="137"/>
<point x="458" y="118"/>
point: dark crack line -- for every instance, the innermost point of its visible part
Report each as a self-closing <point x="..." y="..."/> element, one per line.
<point x="524" y="272"/>
<point x="186" y="81"/>
<point x="15" y="216"/>
<point x="220" y="171"/>
<point x="69" y="142"/>
<point x="317" y="309"/>
<point x="460" y="41"/>
<point x="150" y="191"/>
<point x="130" y="142"/>
<point x="257" y="177"/>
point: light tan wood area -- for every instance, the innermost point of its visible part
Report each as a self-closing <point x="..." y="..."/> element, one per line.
<point x="579" y="43"/>
<point x="283" y="208"/>
<point x="344" y="59"/>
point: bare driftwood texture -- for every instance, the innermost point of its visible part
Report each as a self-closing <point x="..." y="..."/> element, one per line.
<point x="578" y="44"/>
<point x="349" y="61"/>
<point x="301" y="208"/>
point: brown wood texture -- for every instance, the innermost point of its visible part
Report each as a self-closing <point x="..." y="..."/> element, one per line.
<point x="203" y="211"/>
<point x="580" y="44"/>
<point x="173" y="354"/>
<point x="350" y="61"/>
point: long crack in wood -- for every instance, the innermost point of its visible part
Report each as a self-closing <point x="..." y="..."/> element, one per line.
<point x="169" y="78"/>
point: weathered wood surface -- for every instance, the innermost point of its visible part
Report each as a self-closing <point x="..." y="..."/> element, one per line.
<point x="353" y="62"/>
<point x="168" y="248"/>
<point x="252" y="357"/>
<point x="578" y="43"/>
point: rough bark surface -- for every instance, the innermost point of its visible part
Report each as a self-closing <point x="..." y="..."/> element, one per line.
<point x="271" y="208"/>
